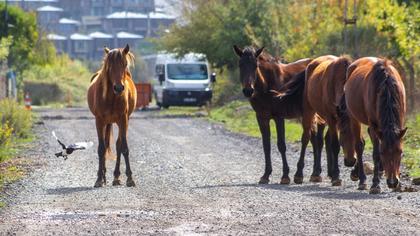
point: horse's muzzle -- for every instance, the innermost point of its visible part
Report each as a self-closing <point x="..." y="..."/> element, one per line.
<point x="349" y="162"/>
<point x="118" y="88"/>
<point x="248" y="92"/>
<point x="393" y="183"/>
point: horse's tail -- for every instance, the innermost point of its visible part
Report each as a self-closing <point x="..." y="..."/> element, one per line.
<point x="293" y="87"/>
<point x="108" y="140"/>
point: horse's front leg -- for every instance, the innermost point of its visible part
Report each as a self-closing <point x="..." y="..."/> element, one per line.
<point x="334" y="150"/>
<point x="264" y="125"/>
<point x="375" y="188"/>
<point x="123" y="128"/>
<point x="100" y="129"/>
<point x="281" y="145"/>
<point x="117" y="173"/>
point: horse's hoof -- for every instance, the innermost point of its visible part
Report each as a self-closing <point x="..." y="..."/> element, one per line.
<point x="362" y="187"/>
<point x="298" y="179"/>
<point x="336" y="182"/>
<point x="315" y="179"/>
<point x="99" y="183"/>
<point x="263" y="181"/>
<point x="375" y="190"/>
<point x="116" y="182"/>
<point x="130" y="183"/>
<point x="285" y="180"/>
<point x="354" y="177"/>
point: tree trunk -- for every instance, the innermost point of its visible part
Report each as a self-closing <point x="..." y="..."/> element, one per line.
<point x="412" y="83"/>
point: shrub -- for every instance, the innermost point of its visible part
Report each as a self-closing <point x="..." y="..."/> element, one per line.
<point x="14" y="117"/>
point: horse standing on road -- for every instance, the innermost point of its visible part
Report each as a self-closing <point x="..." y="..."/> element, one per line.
<point x="323" y="89"/>
<point x="260" y="73"/>
<point x="112" y="98"/>
<point x="374" y="95"/>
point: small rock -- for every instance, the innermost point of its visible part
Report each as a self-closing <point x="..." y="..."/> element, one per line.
<point x="416" y="181"/>
<point x="399" y="197"/>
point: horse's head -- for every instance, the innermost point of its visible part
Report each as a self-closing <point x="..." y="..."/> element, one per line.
<point x="116" y="63"/>
<point x="346" y="135"/>
<point x="390" y="152"/>
<point x="248" y="64"/>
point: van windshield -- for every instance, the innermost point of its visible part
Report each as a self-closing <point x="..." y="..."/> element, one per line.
<point x="187" y="71"/>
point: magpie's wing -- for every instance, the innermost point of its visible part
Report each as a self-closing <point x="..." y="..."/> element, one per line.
<point x="81" y="145"/>
<point x="62" y="144"/>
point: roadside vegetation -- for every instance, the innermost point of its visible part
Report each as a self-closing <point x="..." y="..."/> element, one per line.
<point x="15" y="132"/>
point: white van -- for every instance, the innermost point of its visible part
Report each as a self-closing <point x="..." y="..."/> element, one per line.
<point x="185" y="81"/>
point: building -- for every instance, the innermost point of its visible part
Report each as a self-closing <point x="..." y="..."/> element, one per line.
<point x="80" y="46"/>
<point x="101" y="40"/>
<point x="31" y="5"/>
<point x="48" y="17"/>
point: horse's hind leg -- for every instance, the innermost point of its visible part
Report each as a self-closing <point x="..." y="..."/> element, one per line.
<point x="334" y="149"/>
<point x="317" y="144"/>
<point x="100" y="128"/>
<point x="281" y="145"/>
<point x="117" y="173"/>
<point x="123" y="127"/>
<point x="264" y="125"/>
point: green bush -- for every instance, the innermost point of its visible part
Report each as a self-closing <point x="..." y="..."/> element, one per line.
<point x="5" y="134"/>
<point x="64" y="80"/>
<point x="16" y="118"/>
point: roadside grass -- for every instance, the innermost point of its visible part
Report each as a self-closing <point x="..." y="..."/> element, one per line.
<point x="15" y="136"/>
<point x="238" y="116"/>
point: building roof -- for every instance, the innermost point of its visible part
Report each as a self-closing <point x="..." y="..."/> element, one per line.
<point x="77" y="36"/>
<point x="126" y="15"/>
<point x="50" y="8"/>
<point x="46" y="1"/>
<point x="56" y="37"/>
<point x="160" y="15"/>
<point x="100" y="35"/>
<point x="68" y="21"/>
<point x="125" y="35"/>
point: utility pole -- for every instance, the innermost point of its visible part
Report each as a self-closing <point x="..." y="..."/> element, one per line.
<point x="6" y="18"/>
<point x="350" y="21"/>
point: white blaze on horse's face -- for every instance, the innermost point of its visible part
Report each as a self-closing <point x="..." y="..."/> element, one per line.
<point x="117" y="69"/>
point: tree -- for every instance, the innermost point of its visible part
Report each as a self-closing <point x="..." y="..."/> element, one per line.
<point x="22" y="26"/>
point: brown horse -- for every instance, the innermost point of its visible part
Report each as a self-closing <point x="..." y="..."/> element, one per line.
<point x="112" y="98"/>
<point x="260" y="73"/>
<point x="325" y="78"/>
<point x="374" y="95"/>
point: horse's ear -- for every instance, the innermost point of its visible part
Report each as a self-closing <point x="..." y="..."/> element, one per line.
<point x="259" y="51"/>
<point x="126" y="49"/>
<point x="238" y="51"/>
<point x="106" y="50"/>
<point x="403" y="132"/>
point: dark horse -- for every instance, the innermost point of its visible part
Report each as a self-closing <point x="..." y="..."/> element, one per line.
<point x="374" y="95"/>
<point x="259" y="74"/>
<point x="112" y="98"/>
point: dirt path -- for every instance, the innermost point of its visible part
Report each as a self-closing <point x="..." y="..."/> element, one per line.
<point x="193" y="177"/>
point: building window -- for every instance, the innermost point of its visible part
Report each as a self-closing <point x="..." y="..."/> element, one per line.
<point x="80" y="46"/>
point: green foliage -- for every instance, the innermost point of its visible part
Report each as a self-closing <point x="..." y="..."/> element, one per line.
<point x="5" y="134"/>
<point x="22" y="26"/>
<point x="4" y="47"/>
<point x="15" y="117"/>
<point x="63" y="80"/>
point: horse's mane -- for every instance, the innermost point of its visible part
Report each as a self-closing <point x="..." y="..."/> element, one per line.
<point x="112" y="58"/>
<point x="388" y="102"/>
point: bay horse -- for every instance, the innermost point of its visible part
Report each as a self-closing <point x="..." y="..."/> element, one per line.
<point x="259" y="74"/>
<point x="374" y="95"/>
<point x="112" y="98"/>
<point x="324" y="87"/>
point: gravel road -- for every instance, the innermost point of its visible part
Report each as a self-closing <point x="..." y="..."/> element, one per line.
<point x="193" y="177"/>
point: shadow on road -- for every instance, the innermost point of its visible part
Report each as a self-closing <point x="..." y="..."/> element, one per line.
<point x="325" y="192"/>
<point x="67" y="190"/>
